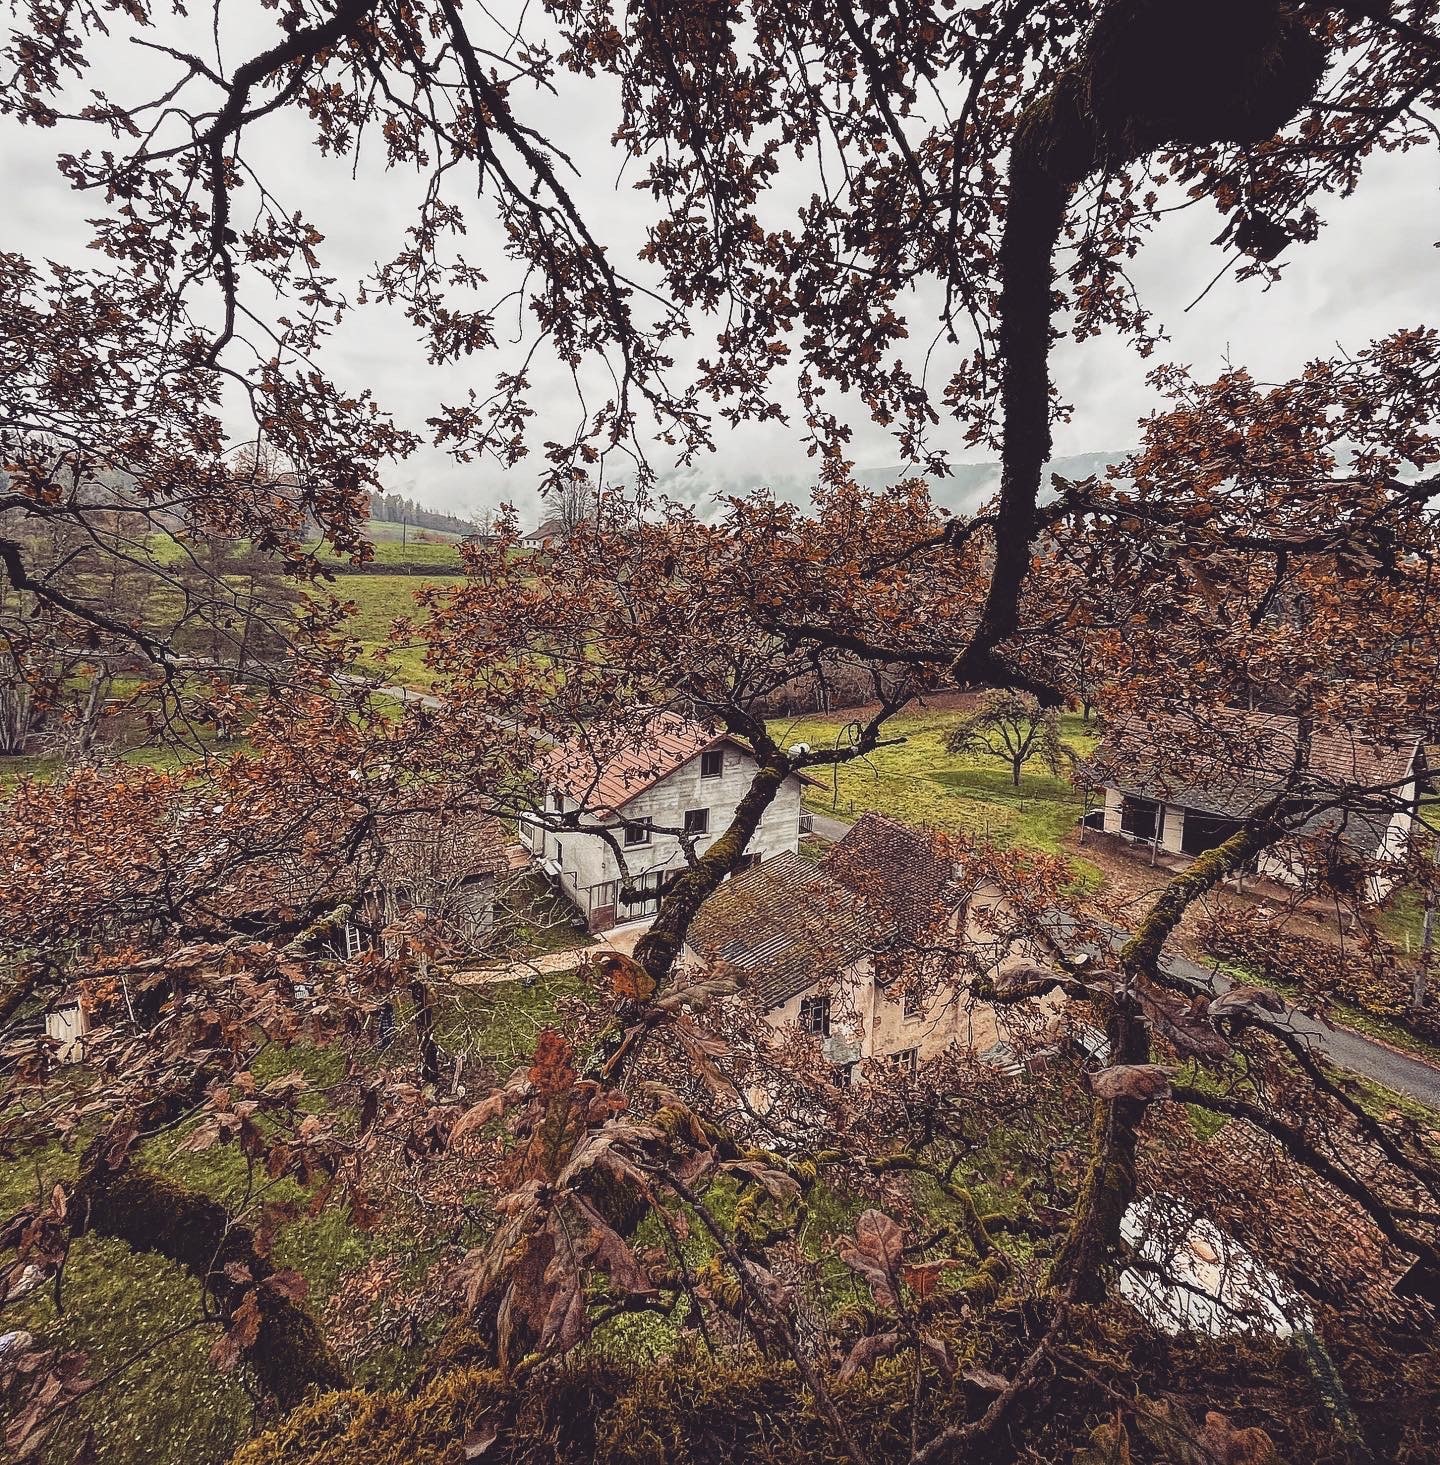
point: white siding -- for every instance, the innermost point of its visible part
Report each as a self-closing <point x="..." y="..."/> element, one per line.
<point x="586" y="861"/>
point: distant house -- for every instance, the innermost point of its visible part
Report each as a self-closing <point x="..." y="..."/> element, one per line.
<point x="549" y="531"/>
<point x="672" y="775"/>
<point x="1181" y="787"/>
<point x="66" y="1023"/>
<point x="836" y="946"/>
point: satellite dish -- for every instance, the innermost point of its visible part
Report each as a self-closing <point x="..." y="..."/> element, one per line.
<point x="798" y="750"/>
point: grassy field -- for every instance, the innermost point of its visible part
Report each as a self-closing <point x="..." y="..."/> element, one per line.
<point x="920" y="782"/>
<point x="381" y="600"/>
<point x="137" y="1316"/>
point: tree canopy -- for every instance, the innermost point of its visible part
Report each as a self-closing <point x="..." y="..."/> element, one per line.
<point x="609" y="1245"/>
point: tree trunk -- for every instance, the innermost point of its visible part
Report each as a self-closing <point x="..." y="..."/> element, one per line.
<point x="151" y="1213"/>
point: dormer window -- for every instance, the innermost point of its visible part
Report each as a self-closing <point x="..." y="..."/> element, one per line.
<point x="712" y="763"/>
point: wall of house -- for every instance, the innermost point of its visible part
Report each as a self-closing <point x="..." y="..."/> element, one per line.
<point x="587" y="862"/>
<point x="1114" y="801"/>
<point x="875" y="1013"/>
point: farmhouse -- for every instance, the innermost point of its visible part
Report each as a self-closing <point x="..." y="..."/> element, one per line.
<point x="866" y="950"/>
<point x="544" y="534"/>
<point x="669" y="779"/>
<point x="1182" y="788"/>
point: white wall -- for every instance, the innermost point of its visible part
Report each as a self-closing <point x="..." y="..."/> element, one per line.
<point x="587" y="861"/>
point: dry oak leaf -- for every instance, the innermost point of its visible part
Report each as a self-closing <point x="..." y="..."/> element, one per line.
<point x="1140" y="1081"/>
<point x="627" y="978"/>
<point x="875" y="1253"/>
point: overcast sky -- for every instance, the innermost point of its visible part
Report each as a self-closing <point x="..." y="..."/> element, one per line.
<point x="1372" y="271"/>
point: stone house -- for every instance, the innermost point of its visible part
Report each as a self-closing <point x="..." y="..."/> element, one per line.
<point x="839" y="946"/>
<point x="673" y="776"/>
<point x="1181" y="787"/>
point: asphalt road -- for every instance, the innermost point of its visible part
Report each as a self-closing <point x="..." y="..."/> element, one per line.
<point x="1353" y="1051"/>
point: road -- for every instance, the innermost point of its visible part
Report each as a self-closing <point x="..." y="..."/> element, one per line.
<point x="1352" y="1051"/>
<point x="1344" y="1048"/>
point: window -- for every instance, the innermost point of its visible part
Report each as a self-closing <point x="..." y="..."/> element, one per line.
<point x="712" y="763"/>
<point x="636" y="834"/>
<point x="697" y="821"/>
<point x="815" y="1016"/>
<point x="914" y="1005"/>
<point x="906" y="1061"/>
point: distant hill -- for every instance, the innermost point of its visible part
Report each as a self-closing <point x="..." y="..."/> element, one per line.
<point x="967" y="487"/>
<point x="393" y="509"/>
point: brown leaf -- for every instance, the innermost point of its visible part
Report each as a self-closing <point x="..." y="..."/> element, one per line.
<point x="1140" y="1081"/>
<point x="288" y="1283"/>
<point x="922" y="1276"/>
<point x="1170" y="1428"/>
<point x="552" y="1073"/>
<point x="245" y="1320"/>
<point x="627" y="978"/>
<point x="479" y="1116"/>
<point x="875" y="1253"/>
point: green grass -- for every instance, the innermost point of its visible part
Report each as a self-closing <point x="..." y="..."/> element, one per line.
<point x="413" y="554"/>
<point x="920" y="782"/>
<point x="381" y="600"/>
<point x="501" y="1020"/>
<point x="140" y="1314"/>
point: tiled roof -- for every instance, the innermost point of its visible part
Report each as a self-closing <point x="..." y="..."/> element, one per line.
<point x="1228" y="763"/>
<point x="791" y="922"/>
<point x="904" y="872"/>
<point x="404" y="850"/>
<point x="606" y="771"/>
<point x="1332" y="1241"/>
<point x="551" y="528"/>
<point x="785" y="924"/>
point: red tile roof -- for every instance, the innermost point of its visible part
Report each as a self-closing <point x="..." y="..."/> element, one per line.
<point x="605" y="768"/>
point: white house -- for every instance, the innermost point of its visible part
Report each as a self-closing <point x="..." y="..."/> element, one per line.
<point x="1181" y="787"/>
<point x="871" y="950"/>
<point x="673" y="775"/>
<point x="544" y="534"/>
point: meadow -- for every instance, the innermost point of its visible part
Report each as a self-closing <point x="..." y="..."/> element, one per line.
<point x="916" y="779"/>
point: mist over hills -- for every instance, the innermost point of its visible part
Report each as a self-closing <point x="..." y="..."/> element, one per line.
<point x="967" y="487"/>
